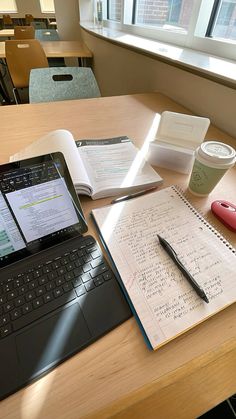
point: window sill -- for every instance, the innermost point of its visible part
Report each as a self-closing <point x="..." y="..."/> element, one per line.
<point x="217" y="69"/>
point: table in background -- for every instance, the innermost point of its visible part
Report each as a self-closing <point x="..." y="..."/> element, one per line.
<point x="6" y="33"/>
<point x="118" y="375"/>
<point x="56" y="49"/>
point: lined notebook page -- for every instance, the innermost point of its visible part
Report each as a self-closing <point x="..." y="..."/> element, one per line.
<point x="164" y="301"/>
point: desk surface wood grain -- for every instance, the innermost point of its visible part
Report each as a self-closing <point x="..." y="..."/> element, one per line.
<point x="118" y="376"/>
<point x="55" y="49"/>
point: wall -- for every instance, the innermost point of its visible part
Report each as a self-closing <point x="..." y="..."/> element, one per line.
<point x="121" y="71"/>
<point x="30" y="6"/>
<point x="67" y="16"/>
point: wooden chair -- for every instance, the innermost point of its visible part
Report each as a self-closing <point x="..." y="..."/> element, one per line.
<point x="21" y="57"/>
<point x="7" y="21"/>
<point x="28" y="19"/>
<point x="24" y="32"/>
<point x="62" y="83"/>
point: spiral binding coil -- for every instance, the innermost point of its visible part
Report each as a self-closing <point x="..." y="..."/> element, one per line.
<point x="180" y="193"/>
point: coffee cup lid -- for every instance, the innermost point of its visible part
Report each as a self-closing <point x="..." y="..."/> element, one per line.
<point x="218" y="153"/>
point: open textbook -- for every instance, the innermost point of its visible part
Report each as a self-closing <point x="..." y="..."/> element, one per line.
<point x="164" y="302"/>
<point x="99" y="168"/>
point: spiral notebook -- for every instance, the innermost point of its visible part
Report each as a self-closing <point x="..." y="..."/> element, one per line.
<point x="162" y="300"/>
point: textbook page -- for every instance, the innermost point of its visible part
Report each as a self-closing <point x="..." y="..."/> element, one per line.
<point x="63" y="141"/>
<point x="115" y="165"/>
<point x="164" y="301"/>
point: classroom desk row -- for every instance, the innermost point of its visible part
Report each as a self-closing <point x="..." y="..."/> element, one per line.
<point x="53" y="49"/>
<point x="118" y="376"/>
<point x="59" y="49"/>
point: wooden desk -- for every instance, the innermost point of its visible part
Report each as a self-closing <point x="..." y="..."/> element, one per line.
<point x="6" y="33"/>
<point x="55" y="49"/>
<point x="118" y="376"/>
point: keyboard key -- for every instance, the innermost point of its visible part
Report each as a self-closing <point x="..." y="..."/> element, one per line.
<point x="80" y="290"/>
<point x="37" y="302"/>
<point x="89" y="285"/>
<point x="33" y="284"/>
<point x="60" y="281"/>
<point x="43" y="280"/>
<point x="30" y="296"/>
<point x="67" y="287"/>
<point x="98" y="271"/>
<point x="19" y="301"/>
<point x="58" y="292"/>
<point x="50" y="286"/>
<point x="96" y="262"/>
<point x="77" y="282"/>
<point x="44" y="309"/>
<point x="48" y="297"/>
<point x="107" y="275"/>
<point x="40" y="291"/>
<point x="15" y="314"/>
<point x="9" y="306"/>
<point x="4" y="331"/>
<point x="86" y="277"/>
<point x="96" y="254"/>
<point x="3" y="299"/>
<point x="27" y="308"/>
<point x="99" y="280"/>
<point x="69" y="276"/>
<point x="4" y="319"/>
<point x="12" y="294"/>
<point x="86" y="267"/>
<point x="38" y="273"/>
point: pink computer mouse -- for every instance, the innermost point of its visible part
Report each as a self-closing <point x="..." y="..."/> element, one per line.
<point x="226" y="212"/>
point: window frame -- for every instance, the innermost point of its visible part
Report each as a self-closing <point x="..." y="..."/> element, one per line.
<point x="195" y="39"/>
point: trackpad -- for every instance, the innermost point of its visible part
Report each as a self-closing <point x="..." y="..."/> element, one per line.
<point x="50" y="341"/>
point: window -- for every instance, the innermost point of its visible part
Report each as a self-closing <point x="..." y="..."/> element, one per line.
<point x="47" y="6"/>
<point x="223" y="20"/>
<point x="8" y="6"/>
<point x="166" y="14"/>
<point x="114" y="10"/>
<point x="206" y="25"/>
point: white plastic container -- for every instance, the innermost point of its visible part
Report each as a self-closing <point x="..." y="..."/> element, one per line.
<point x="177" y="138"/>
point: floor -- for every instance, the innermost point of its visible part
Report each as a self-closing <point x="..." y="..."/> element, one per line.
<point x="225" y="410"/>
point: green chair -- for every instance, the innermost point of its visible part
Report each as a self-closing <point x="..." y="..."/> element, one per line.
<point x="39" y="25"/>
<point x="62" y="83"/>
<point x="47" y="35"/>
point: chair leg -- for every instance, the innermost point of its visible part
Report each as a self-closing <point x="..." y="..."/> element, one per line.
<point x="16" y="96"/>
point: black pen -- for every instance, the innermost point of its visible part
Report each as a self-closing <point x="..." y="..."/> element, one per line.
<point x="181" y="267"/>
<point x="134" y="195"/>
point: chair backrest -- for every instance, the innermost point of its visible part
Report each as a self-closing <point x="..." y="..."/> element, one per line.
<point x="24" y="32"/>
<point x="62" y="83"/>
<point x="21" y="57"/>
<point x="7" y="20"/>
<point x="47" y="35"/>
<point x="28" y="19"/>
<point x="38" y="25"/>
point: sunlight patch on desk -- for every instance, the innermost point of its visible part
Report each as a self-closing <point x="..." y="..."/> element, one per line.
<point x="65" y="325"/>
<point x="115" y="211"/>
<point x="35" y="395"/>
<point x="140" y="158"/>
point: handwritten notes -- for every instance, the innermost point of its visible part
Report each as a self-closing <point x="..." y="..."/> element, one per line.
<point x="164" y="301"/>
